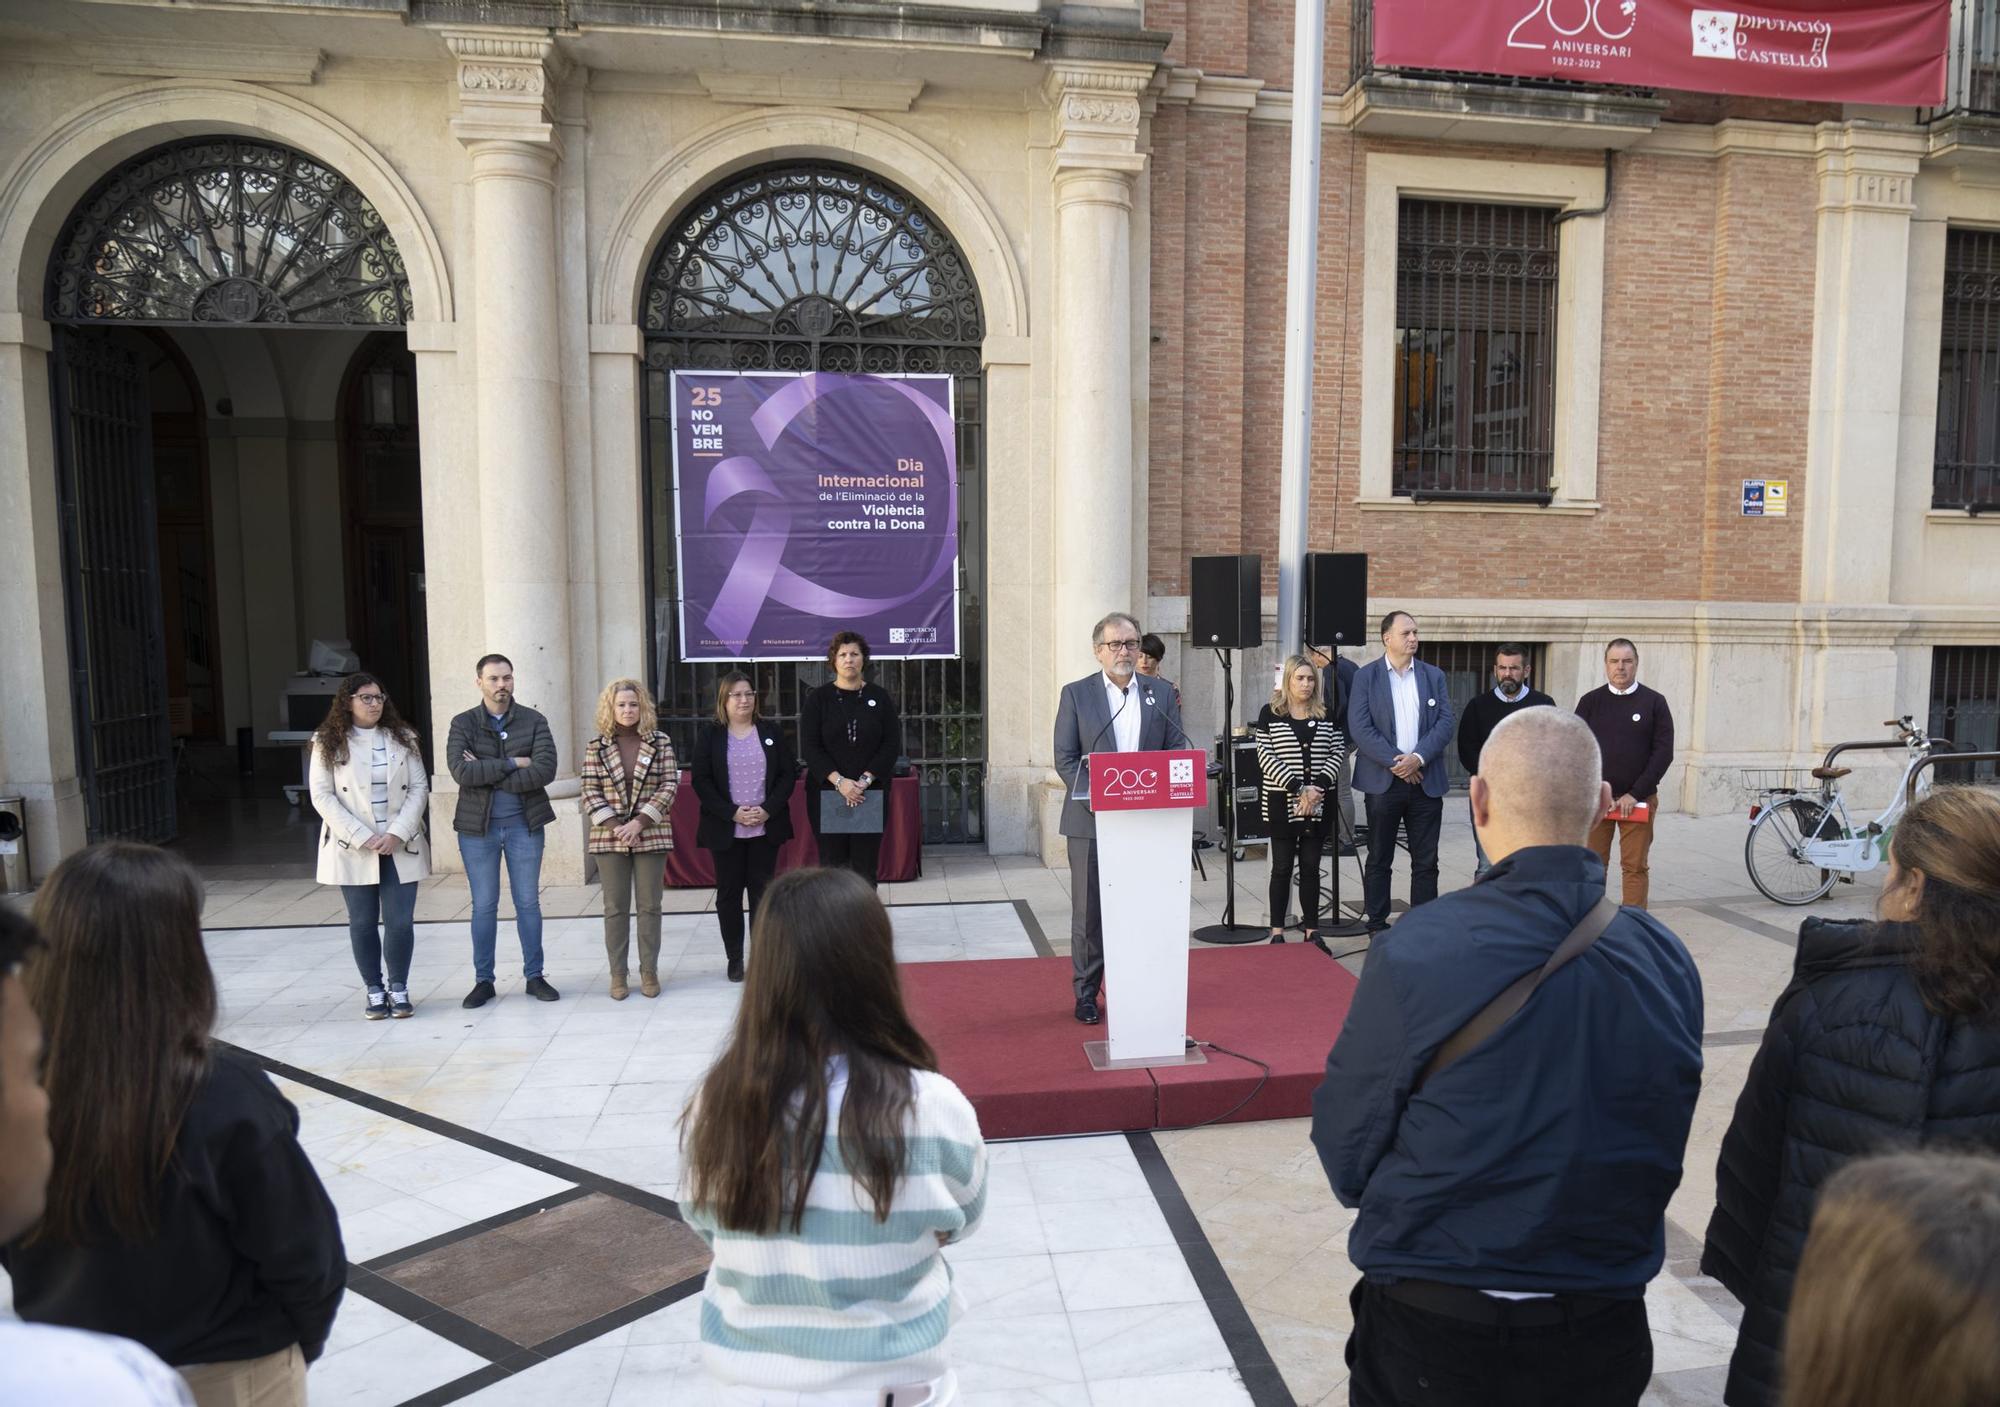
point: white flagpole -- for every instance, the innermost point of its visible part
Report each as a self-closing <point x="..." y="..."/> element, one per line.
<point x="1301" y="297"/>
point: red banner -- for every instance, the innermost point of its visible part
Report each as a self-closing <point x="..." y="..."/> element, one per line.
<point x="1839" y="51"/>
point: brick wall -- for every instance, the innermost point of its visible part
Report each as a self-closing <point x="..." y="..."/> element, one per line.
<point x="1705" y="359"/>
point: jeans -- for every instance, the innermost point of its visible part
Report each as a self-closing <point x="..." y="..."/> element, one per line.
<point x="522" y="846"/>
<point x="1401" y="1354"/>
<point x="742" y="864"/>
<point x="1422" y="817"/>
<point x="395" y="905"/>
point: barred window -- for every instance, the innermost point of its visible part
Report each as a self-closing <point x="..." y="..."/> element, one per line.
<point x="1965" y="706"/>
<point x="1468" y="672"/>
<point x="1475" y="351"/>
<point x="1966" y="470"/>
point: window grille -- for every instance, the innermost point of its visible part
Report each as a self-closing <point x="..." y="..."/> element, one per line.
<point x="1468" y="671"/>
<point x="1966" y="470"/>
<point x="1475" y="351"/>
<point x="1965" y="705"/>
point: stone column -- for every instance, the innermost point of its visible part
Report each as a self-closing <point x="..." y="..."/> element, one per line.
<point x="1867" y="194"/>
<point x="1095" y="162"/>
<point x="505" y="123"/>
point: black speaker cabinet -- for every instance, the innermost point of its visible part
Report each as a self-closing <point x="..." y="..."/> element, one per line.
<point x="1223" y="603"/>
<point x="1336" y="598"/>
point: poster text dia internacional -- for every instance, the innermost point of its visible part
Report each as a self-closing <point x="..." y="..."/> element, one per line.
<point x="814" y="502"/>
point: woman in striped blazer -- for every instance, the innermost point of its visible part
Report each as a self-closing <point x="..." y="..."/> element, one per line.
<point x="629" y="779"/>
<point x="1299" y="750"/>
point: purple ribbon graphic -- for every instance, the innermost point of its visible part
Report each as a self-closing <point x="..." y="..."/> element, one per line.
<point x="758" y="574"/>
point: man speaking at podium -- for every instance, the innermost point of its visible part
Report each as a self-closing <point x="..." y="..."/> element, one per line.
<point x="1116" y="709"/>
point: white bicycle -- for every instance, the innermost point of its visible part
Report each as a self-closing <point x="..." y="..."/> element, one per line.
<point x="1801" y="842"/>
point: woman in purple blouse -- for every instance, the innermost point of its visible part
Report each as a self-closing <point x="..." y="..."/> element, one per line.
<point x="743" y="773"/>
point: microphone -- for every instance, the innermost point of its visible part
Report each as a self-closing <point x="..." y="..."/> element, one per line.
<point x="1125" y="697"/>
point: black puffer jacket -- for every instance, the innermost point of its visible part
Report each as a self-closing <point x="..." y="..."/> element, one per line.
<point x="1852" y="1063"/>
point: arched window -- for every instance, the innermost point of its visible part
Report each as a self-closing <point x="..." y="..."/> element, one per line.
<point x="816" y="266"/>
<point x="222" y="230"/>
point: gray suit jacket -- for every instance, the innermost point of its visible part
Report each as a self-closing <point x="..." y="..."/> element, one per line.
<point x="1083" y="725"/>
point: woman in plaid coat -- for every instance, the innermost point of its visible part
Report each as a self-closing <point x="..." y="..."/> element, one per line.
<point x="629" y="778"/>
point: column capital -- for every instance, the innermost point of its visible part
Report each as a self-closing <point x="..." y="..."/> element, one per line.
<point x="1096" y="105"/>
<point x="505" y="81"/>
<point x="1868" y="166"/>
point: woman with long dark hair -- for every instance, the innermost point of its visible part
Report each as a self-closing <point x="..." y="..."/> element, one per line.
<point x="827" y="1164"/>
<point x="369" y="787"/>
<point x="850" y="735"/>
<point x="181" y="1211"/>
<point x="743" y="775"/>
<point x="1887" y="1038"/>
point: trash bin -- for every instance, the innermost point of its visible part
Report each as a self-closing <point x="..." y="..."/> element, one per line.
<point x="13" y="845"/>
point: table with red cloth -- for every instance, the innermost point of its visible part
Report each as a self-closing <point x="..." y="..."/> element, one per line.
<point x="691" y="867"/>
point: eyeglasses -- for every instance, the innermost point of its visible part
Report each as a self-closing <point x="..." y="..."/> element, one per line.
<point x="371" y="698"/>
<point x="1121" y="645"/>
<point x="739" y="694"/>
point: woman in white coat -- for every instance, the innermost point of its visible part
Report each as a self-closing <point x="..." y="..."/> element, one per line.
<point x="369" y="787"/>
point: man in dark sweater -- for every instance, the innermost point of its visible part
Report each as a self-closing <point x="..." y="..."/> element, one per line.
<point x="1509" y="695"/>
<point x="1635" y="732"/>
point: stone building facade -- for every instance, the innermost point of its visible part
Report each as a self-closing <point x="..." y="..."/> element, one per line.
<point x="460" y="453"/>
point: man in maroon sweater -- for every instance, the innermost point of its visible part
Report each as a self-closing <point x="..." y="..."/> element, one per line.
<point x="1635" y="732"/>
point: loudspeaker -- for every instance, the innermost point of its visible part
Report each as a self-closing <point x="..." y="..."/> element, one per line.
<point x="1336" y="598"/>
<point x="1223" y="602"/>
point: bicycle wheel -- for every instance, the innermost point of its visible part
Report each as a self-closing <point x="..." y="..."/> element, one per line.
<point x="1771" y="851"/>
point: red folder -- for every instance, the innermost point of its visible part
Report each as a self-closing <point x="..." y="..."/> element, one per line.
<point x="1641" y="814"/>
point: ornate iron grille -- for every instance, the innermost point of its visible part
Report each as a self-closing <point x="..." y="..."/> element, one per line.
<point x="820" y="267"/>
<point x="1965" y="472"/>
<point x="112" y="584"/>
<point x="227" y="230"/>
<point x="1965" y="705"/>
<point x="1475" y="351"/>
<point x="1468" y="671"/>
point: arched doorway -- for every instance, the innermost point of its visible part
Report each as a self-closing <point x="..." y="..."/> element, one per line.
<point x="818" y="266"/>
<point x="201" y="238"/>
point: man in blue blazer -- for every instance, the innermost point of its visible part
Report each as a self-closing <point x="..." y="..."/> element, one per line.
<point x="1400" y="722"/>
<point x="1115" y="709"/>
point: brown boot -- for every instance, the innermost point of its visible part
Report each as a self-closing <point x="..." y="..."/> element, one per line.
<point x="649" y="983"/>
<point x="619" y="991"/>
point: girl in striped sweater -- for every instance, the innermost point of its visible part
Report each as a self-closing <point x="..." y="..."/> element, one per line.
<point x="828" y="1164"/>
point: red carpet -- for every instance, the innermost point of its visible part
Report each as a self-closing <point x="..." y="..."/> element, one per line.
<point x="1004" y="1033"/>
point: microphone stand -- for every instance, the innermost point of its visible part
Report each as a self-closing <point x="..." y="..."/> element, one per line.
<point x="1228" y="931"/>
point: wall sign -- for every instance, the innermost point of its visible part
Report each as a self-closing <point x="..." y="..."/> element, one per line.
<point x="812" y="502"/>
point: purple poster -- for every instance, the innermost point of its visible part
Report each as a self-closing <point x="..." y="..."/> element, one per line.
<point x="814" y="502"/>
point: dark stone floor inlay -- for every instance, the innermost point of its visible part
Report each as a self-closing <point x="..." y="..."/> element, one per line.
<point x="535" y="1279"/>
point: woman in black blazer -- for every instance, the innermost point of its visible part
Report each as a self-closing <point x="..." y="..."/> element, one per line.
<point x="850" y="734"/>
<point x="743" y="774"/>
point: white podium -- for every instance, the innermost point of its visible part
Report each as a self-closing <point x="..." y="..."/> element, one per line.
<point x="1144" y="805"/>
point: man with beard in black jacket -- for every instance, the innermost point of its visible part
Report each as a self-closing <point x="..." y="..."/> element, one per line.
<point x="1512" y="1191"/>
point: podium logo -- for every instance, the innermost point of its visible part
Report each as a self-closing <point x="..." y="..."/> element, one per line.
<point x="1714" y="34"/>
<point x="1180" y="779"/>
<point x="1126" y="780"/>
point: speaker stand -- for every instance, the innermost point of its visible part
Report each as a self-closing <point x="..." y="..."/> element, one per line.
<point x="1229" y="931"/>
